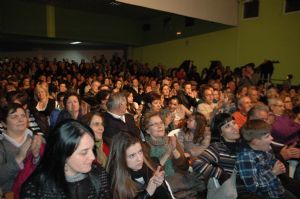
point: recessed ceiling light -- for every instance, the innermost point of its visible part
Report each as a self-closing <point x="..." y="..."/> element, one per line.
<point x="76" y="42"/>
<point x="114" y="3"/>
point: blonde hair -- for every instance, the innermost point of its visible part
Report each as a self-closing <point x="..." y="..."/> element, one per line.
<point x="41" y="86"/>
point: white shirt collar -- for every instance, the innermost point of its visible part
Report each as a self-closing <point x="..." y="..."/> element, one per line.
<point x="117" y="116"/>
<point x="12" y="141"/>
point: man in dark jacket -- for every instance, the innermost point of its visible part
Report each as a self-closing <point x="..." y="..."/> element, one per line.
<point x="116" y="119"/>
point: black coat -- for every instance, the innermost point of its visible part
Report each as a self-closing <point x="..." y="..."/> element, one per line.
<point x="112" y="126"/>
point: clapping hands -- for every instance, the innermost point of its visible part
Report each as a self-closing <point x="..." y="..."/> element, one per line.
<point x="156" y="180"/>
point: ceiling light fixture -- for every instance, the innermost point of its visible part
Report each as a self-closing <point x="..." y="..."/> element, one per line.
<point x="114" y="3"/>
<point x="76" y="42"/>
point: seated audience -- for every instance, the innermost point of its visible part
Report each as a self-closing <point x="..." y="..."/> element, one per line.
<point x="116" y="118"/>
<point x="218" y="160"/>
<point x="95" y="121"/>
<point x="257" y="167"/>
<point x="195" y="137"/>
<point x="66" y="169"/>
<point x="20" y="149"/>
<point x="133" y="174"/>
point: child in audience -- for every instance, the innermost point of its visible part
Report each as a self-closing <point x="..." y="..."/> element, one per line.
<point x="257" y="167"/>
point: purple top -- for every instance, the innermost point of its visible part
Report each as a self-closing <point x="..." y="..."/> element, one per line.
<point x="285" y="130"/>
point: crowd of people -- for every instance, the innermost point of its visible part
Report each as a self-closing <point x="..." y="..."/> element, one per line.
<point x="118" y="129"/>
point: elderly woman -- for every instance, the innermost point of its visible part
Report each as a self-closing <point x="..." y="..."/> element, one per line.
<point x="19" y="149"/>
<point x="170" y="155"/>
<point x="165" y="148"/>
<point x="67" y="169"/>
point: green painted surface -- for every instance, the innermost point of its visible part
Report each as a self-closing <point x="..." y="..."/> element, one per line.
<point x="22" y="18"/>
<point x="74" y="24"/>
<point x="273" y="35"/>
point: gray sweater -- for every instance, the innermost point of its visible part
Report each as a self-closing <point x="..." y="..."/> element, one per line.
<point x="9" y="168"/>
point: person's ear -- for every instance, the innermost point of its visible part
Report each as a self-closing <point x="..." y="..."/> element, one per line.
<point x="254" y="141"/>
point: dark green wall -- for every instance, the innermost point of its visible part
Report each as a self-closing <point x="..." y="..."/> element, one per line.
<point x="19" y="17"/>
<point x="27" y="18"/>
<point x="95" y="27"/>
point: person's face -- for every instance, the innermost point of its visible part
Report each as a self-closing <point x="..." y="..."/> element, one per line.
<point x="208" y="96"/>
<point x="216" y="95"/>
<point x="26" y="82"/>
<point x="148" y="89"/>
<point x="104" y="101"/>
<point x="156" y="127"/>
<point x="95" y="87"/>
<point x="72" y="104"/>
<point x="231" y="86"/>
<point x="97" y="126"/>
<point x="82" y="158"/>
<point x="17" y="122"/>
<point x="245" y="105"/>
<point x="62" y="88"/>
<point x="230" y="131"/>
<point x="123" y="107"/>
<point x="118" y="84"/>
<point x="135" y="83"/>
<point x="254" y="96"/>
<point x="41" y="94"/>
<point x="176" y="86"/>
<point x="107" y="82"/>
<point x="130" y="98"/>
<point x="263" y="143"/>
<point x="191" y="123"/>
<point x="292" y="92"/>
<point x="188" y="89"/>
<point x="153" y="84"/>
<point x="263" y="115"/>
<point x="288" y="103"/>
<point x="173" y="104"/>
<point x="278" y="108"/>
<point x="135" y="157"/>
<point x="156" y="105"/>
<point x="166" y="90"/>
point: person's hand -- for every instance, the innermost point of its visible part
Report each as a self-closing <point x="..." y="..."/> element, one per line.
<point x="23" y="151"/>
<point x="156" y="180"/>
<point x="278" y="168"/>
<point x="288" y="152"/>
<point x="36" y="145"/>
<point x="172" y="143"/>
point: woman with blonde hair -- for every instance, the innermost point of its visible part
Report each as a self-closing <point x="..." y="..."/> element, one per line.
<point x="43" y="104"/>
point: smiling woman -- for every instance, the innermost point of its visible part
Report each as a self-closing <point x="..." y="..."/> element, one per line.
<point x="19" y="149"/>
<point x="67" y="170"/>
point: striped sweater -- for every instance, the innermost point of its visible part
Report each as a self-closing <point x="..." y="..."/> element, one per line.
<point x="218" y="160"/>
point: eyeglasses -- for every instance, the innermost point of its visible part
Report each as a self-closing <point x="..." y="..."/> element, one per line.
<point x="156" y="124"/>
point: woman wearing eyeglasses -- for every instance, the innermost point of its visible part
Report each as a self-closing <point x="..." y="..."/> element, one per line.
<point x="163" y="147"/>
